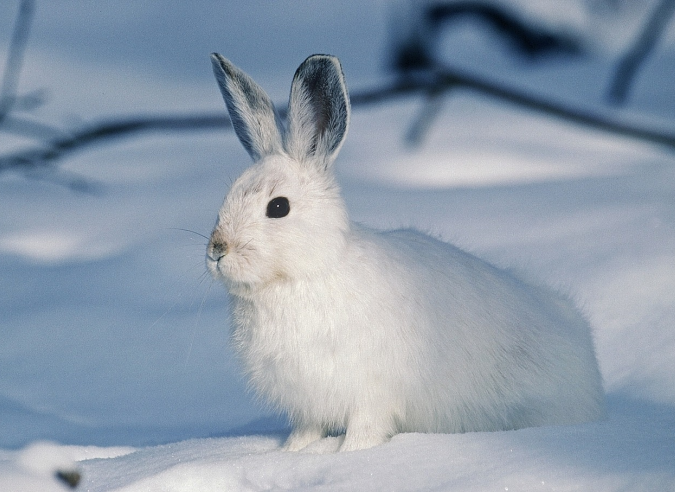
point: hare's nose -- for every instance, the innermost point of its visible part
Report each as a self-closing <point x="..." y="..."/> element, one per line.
<point x="217" y="249"/>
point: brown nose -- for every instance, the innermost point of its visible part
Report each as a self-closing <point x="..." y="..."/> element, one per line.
<point x="217" y="249"/>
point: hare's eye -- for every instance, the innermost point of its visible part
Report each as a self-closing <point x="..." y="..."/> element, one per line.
<point x="278" y="207"/>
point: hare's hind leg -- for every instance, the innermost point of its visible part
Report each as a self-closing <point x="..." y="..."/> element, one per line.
<point x="302" y="436"/>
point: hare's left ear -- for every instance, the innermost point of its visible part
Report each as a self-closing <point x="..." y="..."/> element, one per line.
<point x="253" y="116"/>
<point x="318" y="111"/>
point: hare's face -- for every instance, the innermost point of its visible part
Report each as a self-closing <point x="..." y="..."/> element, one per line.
<point x="284" y="219"/>
<point x="280" y="221"/>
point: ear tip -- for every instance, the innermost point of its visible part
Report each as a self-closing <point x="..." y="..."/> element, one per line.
<point x="319" y="57"/>
<point x="323" y="55"/>
<point x="321" y="63"/>
<point x="219" y="62"/>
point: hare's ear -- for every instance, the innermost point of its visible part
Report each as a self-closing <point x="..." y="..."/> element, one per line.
<point x="253" y="116"/>
<point x="318" y="111"/>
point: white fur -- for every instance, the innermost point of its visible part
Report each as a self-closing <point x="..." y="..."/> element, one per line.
<point x="374" y="333"/>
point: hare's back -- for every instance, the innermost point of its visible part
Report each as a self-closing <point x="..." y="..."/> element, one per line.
<point x="462" y="288"/>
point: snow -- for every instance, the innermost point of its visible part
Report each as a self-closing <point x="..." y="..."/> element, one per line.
<point x="114" y="355"/>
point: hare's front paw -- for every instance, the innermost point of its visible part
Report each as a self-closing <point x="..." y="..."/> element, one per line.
<point x="364" y="434"/>
<point x="355" y="442"/>
<point x="302" y="436"/>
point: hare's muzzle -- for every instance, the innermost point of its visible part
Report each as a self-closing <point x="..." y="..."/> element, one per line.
<point x="217" y="250"/>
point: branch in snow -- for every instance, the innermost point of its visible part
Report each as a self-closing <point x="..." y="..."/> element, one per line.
<point x="17" y="48"/>
<point x="531" y="41"/>
<point x="629" y="64"/>
<point x="605" y="122"/>
<point x="71" y="141"/>
<point x="415" y="28"/>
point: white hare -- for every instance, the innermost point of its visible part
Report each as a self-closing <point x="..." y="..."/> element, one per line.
<point x="373" y="333"/>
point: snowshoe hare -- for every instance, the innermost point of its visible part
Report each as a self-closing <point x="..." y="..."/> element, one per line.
<point x="372" y="333"/>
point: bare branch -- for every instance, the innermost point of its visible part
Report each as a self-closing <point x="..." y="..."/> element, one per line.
<point x="29" y="128"/>
<point x="17" y="48"/>
<point x="451" y="78"/>
<point x="425" y="118"/>
<point x="605" y="122"/>
<point x="57" y="148"/>
<point x="629" y="64"/>
<point x="530" y="41"/>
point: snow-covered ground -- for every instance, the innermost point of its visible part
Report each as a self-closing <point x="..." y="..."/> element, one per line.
<point x="114" y="342"/>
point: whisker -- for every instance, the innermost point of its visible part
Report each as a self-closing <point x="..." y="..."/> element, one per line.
<point x="192" y="232"/>
<point x="246" y="245"/>
<point x="162" y="316"/>
<point x="198" y="319"/>
<point x="205" y="276"/>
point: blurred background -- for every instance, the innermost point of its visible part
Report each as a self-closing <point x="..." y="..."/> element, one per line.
<point x="538" y="134"/>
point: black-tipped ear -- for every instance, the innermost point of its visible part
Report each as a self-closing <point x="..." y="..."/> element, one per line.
<point x="318" y="111"/>
<point x="253" y="116"/>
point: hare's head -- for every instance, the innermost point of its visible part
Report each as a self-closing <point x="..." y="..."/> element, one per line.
<point x="283" y="218"/>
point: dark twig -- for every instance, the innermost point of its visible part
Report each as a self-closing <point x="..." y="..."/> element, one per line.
<point x="528" y="40"/>
<point x="416" y="28"/>
<point x="57" y="148"/>
<point x="574" y="115"/>
<point x="30" y="128"/>
<point x="427" y="115"/>
<point x="452" y="78"/>
<point x="17" y="48"/>
<point x="629" y="64"/>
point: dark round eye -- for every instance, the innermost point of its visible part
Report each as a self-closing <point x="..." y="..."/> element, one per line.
<point x="278" y="207"/>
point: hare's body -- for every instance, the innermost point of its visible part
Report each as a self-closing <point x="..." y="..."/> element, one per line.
<point x="443" y="343"/>
<point x="372" y="332"/>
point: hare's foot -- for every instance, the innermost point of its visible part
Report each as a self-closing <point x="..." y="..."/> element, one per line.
<point x="364" y="433"/>
<point x="302" y="436"/>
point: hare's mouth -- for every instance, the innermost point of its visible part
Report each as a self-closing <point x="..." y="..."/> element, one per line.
<point x="217" y="264"/>
<point x="214" y="259"/>
<point x="219" y="258"/>
<point x="231" y="269"/>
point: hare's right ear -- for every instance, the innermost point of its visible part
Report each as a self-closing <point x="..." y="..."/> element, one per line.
<point x="253" y="116"/>
<point x="318" y="111"/>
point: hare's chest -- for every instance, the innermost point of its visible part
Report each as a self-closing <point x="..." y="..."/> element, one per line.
<point x="296" y="359"/>
<point x="290" y="345"/>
